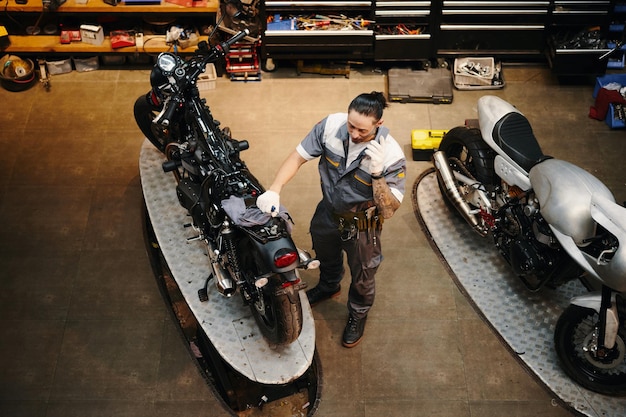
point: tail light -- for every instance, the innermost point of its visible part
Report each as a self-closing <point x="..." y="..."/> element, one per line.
<point x="285" y="257"/>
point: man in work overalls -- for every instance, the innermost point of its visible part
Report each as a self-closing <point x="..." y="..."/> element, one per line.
<point x="362" y="170"/>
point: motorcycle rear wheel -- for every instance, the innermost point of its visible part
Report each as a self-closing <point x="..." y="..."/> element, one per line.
<point x="573" y="332"/>
<point x="145" y="112"/>
<point x="278" y="316"/>
<point x="468" y="152"/>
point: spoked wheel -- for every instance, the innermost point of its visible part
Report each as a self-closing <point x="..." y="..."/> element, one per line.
<point x="279" y="316"/>
<point x="602" y="371"/>
<point x="145" y="112"/>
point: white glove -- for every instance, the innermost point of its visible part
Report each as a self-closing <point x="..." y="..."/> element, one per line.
<point x="269" y="202"/>
<point x="376" y="153"/>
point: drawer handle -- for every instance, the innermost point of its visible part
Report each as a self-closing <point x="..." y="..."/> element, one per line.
<point x="493" y="3"/>
<point x="495" y="11"/>
<point x="492" y="27"/>
<point x="318" y="3"/>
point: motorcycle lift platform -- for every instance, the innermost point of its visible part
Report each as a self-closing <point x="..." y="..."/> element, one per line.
<point x="247" y="373"/>
<point x="523" y="320"/>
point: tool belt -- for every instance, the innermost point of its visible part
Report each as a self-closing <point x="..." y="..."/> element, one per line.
<point x="350" y="223"/>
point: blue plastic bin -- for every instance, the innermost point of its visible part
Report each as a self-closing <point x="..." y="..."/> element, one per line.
<point x="612" y="121"/>
<point x="607" y="79"/>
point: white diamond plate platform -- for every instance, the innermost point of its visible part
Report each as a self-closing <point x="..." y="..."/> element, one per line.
<point x="524" y="320"/>
<point x="226" y="321"/>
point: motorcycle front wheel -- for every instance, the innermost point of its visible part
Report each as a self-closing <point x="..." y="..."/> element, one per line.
<point x="279" y="316"/>
<point x="573" y="339"/>
<point x="145" y="112"/>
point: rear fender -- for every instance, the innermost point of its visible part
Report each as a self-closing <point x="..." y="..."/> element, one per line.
<point x="268" y="250"/>
<point x="290" y="285"/>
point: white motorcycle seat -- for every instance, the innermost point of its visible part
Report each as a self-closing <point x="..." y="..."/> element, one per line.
<point x="564" y="191"/>
<point x="506" y="128"/>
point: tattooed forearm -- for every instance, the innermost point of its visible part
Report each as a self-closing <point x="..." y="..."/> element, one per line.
<point x="386" y="202"/>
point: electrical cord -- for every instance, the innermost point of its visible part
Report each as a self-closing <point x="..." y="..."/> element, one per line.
<point x="17" y="22"/>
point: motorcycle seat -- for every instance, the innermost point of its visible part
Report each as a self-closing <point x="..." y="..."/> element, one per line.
<point x="515" y="136"/>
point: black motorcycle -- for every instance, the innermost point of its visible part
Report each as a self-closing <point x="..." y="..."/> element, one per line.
<point x="248" y="250"/>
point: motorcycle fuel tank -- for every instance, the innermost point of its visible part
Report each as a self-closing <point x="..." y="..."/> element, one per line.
<point x="564" y="192"/>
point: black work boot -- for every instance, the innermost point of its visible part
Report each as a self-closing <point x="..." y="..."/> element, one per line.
<point x="316" y="295"/>
<point x="353" y="333"/>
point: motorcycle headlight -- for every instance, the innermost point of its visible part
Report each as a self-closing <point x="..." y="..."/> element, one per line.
<point x="167" y="62"/>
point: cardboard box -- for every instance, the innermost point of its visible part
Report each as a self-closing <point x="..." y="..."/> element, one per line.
<point x="206" y="80"/>
<point x="474" y="71"/>
<point x="92" y="34"/>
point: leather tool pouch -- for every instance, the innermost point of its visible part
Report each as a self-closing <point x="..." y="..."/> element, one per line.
<point x="350" y="223"/>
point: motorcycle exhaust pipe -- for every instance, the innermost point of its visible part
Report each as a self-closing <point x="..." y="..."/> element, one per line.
<point x="446" y="177"/>
<point x="224" y="283"/>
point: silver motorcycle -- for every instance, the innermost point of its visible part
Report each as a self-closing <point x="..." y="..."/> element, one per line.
<point x="553" y="222"/>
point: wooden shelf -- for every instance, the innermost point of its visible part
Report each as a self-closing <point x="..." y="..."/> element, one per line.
<point x="46" y="44"/>
<point x="99" y="6"/>
<point x="50" y="44"/>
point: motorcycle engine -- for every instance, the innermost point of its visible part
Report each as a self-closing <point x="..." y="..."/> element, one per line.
<point x="524" y="241"/>
<point x="525" y="257"/>
<point x="189" y="193"/>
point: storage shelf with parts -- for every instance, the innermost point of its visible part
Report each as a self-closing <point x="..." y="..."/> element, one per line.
<point x="27" y="24"/>
<point x="50" y="44"/>
<point x="241" y="366"/>
<point x="99" y="6"/>
<point x="402" y="30"/>
<point x="576" y="38"/>
<point x="309" y="29"/>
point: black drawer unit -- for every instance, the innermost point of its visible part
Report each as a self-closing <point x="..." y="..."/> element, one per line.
<point x="403" y="30"/>
<point x="578" y="62"/>
<point x="580" y="13"/>
<point x="491" y="27"/>
<point x="317" y="37"/>
<point x="576" y="37"/>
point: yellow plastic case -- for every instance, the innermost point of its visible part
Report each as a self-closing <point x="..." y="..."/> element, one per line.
<point x="424" y="142"/>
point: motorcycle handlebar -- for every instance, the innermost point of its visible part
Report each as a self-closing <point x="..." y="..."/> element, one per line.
<point x="166" y="115"/>
<point x="217" y="51"/>
<point x="234" y="39"/>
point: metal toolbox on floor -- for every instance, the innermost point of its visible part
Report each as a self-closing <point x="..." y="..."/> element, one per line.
<point x="420" y="86"/>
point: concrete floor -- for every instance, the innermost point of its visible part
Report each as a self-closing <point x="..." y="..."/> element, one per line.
<point x="85" y="332"/>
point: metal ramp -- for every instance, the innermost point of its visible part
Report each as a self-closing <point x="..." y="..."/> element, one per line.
<point x="222" y="333"/>
<point x="524" y="320"/>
